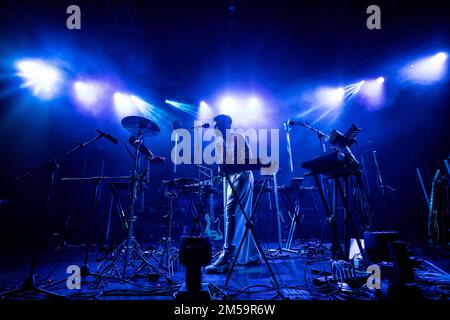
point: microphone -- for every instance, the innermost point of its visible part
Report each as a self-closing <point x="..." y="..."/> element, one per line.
<point x="205" y="125"/>
<point x="295" y="123"/>
<point x="107" y="136"/>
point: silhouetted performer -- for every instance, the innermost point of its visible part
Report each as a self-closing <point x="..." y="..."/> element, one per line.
<point x="233" y="148"/>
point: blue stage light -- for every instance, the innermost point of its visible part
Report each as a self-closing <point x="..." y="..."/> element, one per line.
<point x="254" y="102"/>
<point x="327" y="102"/>
<point x="441" y="56"/>
<point x="144" y="107"/>
<point x="204" y="111"/>
<point x="244" y="109"/>
<point x="380" y="80"/>
<point x="42" y="77"/>
<point x="354" y="89"/>
<point x="227" y="105"/>
<point x="330" y="97"/>
<point x="185" y="107"/>
<point x="427" y="70"/>
<point x="372" y="93"/>
<point x="89" y="94"/>
<point x="124" y="105"/>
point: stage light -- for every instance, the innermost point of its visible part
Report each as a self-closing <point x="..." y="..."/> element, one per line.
<point x="338" y="93"/>
<point x="353" y="89"/>
<point x="145" y="108"/>
<point x="185" y="107"/>
<point x="88" y="93"/>
<point x="327" y="102"/>
<point x="124" y="105"/>
<point x="243" y="108"/>
<point x="330" y="97"/>
<point x="254" y="102"/>
<point x="441" y="57"/>
<point x="139" y="101"/>
<point x="204" y="110"/>
<point x="372" y="93"/>
<point x="42" y="77"/>
<point x="427" y="70"/>
<point x="227" y="104"/>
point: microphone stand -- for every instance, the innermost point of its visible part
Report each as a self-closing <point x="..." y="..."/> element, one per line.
<point x="175" y="126"/>
<point x="320" y="135"/>
<point x="176" y="154"/>
<point x="378" y="174"/>
<point x="331" y="194"/>
<point x="30" y="283"/>
<point x="381" y="186"/>
<point x="288" y="129"/>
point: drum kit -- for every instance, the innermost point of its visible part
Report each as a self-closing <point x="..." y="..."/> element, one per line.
<point x="129" y="259"/>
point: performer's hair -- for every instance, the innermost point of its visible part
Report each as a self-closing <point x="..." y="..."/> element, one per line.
<point x="223" y="118"/>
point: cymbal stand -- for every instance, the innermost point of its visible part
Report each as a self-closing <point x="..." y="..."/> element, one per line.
<point x="123" y="258"/>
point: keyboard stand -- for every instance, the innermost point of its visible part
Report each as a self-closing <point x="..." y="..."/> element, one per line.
<point x="332" y="219"/>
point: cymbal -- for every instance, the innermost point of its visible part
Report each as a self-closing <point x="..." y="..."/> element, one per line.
<point x="136" y="125"/>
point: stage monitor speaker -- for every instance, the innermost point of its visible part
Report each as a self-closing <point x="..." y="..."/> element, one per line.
<point x="376" y="244"/>
<point x="195" y="252"/>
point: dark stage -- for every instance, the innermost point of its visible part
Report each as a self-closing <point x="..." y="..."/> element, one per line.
<point x="247" y="283"/>
<point x="195" y="151"/>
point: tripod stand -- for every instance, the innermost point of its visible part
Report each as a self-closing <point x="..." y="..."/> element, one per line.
<point x="123" y="259"/>
<point x="30" y="283"/>
<point x="168" y="254"/>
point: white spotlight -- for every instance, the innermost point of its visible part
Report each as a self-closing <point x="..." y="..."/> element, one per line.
<point x="124" y="105"/>
<point x="42" y="77"/>
<point x="88" y="93"/>
<point x="253" y="102"/>
<point x="441" y="56"/>
<point x="426" y="70"/>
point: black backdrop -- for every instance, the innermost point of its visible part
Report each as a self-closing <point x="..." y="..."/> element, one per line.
<point x="191" y="51"/>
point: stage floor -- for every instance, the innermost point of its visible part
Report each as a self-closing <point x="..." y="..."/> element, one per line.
<point x="292" y="271"/>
